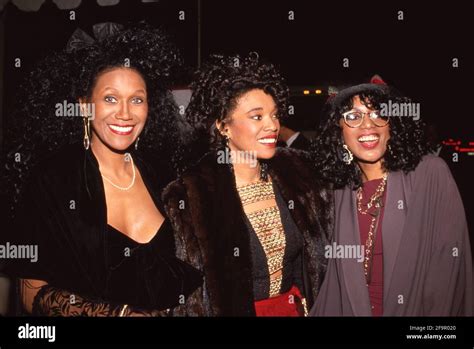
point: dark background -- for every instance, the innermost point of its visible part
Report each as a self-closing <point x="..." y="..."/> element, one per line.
<point x="415" y="54"/>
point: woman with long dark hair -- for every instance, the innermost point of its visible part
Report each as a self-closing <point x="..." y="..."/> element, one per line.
<point x="250" y="216"/>
<point x="91" y="117"/>
<point x="396" y="204"/>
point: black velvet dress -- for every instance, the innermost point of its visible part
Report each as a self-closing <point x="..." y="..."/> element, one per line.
<point x="64" y="213"/>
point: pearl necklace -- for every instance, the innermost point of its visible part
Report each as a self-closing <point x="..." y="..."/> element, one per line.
<point x="133" y="177"/>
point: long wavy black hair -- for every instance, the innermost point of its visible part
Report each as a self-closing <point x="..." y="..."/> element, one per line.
<point x="217" y="87"/>
<point x="405" y="148"/>
<point x="35" y="131"/>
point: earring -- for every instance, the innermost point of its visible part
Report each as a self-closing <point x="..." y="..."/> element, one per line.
<point x="228" y="153"/>
<point x="136" y="143"/>
<point x="226" y="143"/>
<point x="87" y="129"/>
<point x="263" y="171"/>
<point x="347" y="158"/>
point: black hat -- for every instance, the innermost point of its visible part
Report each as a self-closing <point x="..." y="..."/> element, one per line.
<point x="337" y="97"/>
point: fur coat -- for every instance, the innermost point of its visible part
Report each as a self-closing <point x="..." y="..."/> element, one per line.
<point x="211" y="234"/>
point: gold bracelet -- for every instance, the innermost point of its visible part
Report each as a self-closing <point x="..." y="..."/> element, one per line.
<point x="122" y="312"/>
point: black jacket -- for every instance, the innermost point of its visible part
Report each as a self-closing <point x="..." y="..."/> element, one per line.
<point x="208" y="219"/>
<point x="64" y="213"/>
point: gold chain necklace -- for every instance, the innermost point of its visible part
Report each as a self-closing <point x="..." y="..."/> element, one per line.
<point x="374" y="198"/>
<point x="375" y="201"/>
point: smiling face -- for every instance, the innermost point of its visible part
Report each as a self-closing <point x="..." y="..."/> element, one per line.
<point x="253" y="125"/>
<point x="367" y="142"/>
<point x="121" y="108"/>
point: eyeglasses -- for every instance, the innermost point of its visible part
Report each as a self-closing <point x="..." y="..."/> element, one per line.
<point x="355" y="118"/>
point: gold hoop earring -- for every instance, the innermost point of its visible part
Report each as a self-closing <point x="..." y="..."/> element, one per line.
<point x="349" y="157"/>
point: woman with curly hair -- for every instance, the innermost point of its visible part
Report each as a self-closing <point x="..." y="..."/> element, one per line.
<point x="250" y="216"/>
<point x="92" y="204"/>
<point x="396" y="204"/>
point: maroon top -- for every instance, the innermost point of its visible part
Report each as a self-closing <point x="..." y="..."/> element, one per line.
<point x="376" y="279"/>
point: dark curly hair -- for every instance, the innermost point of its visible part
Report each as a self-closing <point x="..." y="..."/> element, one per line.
<point x="405" y="148"/>
<point x="217" y="87"/>
<point x="68" y="75"/>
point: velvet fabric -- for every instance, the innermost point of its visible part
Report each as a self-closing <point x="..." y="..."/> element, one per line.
<point x="64" y="213"/>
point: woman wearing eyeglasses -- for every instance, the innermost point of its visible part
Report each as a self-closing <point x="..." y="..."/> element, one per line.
<point x="395" y="204"/>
